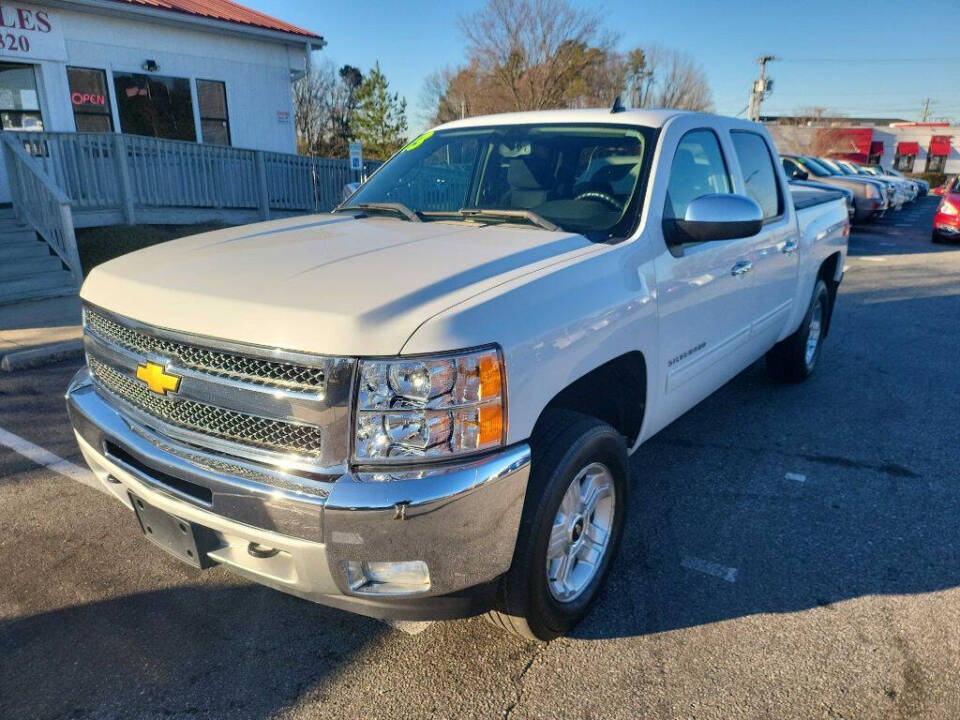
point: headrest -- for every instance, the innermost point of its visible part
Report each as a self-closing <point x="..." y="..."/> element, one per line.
<point x="528" y="173"/>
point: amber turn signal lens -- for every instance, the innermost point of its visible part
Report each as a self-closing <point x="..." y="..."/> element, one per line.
<point x="489" y="376"/>
<point x="491" y="423"/>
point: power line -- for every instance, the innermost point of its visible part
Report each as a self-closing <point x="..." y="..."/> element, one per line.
<point x="871" y="61"/>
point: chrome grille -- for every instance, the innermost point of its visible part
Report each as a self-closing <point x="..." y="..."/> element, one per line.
<point x="213" y="362"/>
<point x="218" y="422"/>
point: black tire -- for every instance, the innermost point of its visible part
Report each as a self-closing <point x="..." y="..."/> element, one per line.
<point x="937" y="238"/>
<point x="563" y="443"/>
<point x="788" y="361"/>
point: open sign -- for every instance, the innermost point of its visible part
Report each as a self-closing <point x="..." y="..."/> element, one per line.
<point x="88" y="99"/>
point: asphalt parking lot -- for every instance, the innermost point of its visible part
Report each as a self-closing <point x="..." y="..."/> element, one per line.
<point x="792" y="552"/>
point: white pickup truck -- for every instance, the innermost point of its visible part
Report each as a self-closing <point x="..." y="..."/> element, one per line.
<point x="421" y="405"/>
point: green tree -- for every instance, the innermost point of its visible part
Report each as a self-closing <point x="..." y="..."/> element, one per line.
<point x="380" y="119"/>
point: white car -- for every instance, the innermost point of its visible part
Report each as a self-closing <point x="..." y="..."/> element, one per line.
<point x="421" y="406"/>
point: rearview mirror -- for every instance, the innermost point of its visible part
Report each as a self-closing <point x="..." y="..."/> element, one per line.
<point x="799" y="174"/>
<point x="721" y="216"/>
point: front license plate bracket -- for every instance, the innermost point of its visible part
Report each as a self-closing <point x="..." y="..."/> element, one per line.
<point x="180" y="538"/>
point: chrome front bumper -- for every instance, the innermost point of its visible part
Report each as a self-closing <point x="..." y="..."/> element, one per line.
<point x="461" y="521"/>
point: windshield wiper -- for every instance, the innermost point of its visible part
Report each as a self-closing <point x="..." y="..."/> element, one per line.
<point x="390" y="207"/>
<point x="528" y="216"/>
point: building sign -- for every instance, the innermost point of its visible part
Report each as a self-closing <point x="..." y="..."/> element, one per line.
<point x="88" y="99"/>
<point x="30" y="32"/>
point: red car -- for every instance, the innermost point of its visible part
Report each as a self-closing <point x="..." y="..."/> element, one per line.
<point x="946" y="223"/>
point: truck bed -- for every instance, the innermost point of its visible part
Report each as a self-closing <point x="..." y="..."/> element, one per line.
<point x="804" y="198"/>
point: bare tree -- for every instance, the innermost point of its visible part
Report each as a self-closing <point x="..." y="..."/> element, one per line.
<point x="675" y="81"/>
<point x="533" y="49"/>
<point x="324" y="102"/>
<point x="311" y="104"/>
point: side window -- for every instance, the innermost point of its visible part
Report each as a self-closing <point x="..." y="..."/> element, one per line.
<point x="789" y="167"/>
<point x="759" y="175"/>
<point x="698" y="169"/>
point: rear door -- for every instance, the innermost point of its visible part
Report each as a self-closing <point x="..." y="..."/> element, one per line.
<point x="702" y="288"/>
<point x="776" y="247"/>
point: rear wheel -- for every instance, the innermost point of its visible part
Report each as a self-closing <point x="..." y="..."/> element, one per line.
<point x="572" y="521"/>
<point x="794" y="359"/>
<point x="937" y="237"/>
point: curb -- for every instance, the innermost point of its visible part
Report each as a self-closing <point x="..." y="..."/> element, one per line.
<point x="42" y="355"/>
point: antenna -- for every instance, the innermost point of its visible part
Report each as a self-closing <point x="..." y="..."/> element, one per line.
<point x="617" y="106"/>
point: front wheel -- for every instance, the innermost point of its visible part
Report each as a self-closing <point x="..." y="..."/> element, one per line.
<point x="572" y="521"/>
<point x="794" y="358"/>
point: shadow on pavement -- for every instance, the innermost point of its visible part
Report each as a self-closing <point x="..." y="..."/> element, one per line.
<point x="238" y="652"/>
<point x="873" y="435"/>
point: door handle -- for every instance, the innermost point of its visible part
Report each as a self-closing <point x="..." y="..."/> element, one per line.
<point x="741" y="268"/>
<point x="790" y="246"/>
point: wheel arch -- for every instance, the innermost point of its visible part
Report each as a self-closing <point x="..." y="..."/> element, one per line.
<point x="609" y="393"/>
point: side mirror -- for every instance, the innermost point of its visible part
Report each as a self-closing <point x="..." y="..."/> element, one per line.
<point x="799" y="174"/>
<point x="717" y="217"/>
<point x="349" y="189"/>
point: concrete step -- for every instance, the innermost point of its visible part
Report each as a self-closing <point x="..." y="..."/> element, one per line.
<point x="26" y="267"/>
<point x="55" y="283"/>
<point x="14" y="251"/>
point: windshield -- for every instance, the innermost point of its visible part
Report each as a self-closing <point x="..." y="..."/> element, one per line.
<point x="831" y="165"/>
<point x="815" y="168"/>
<point x="581" y="178"/>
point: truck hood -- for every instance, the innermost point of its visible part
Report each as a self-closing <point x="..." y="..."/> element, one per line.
<point x="329" y="284"/>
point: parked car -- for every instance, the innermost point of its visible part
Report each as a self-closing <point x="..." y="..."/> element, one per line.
<point x="905" y="191"/>
<point x="421" y="406"/>
<point x="923" y="187"/>
<point x="848" y="197"/>
<point x="894" y="200"/>
<point x="946" y="221"/>
<point x="870" y="196"/>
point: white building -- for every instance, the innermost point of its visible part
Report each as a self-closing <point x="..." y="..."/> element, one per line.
<point x="204" y="71"/>
<point x="907" y="146"/>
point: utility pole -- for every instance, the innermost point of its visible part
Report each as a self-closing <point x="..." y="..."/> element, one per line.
<point x="925" y="113"/>
<point x="762" y="87"/>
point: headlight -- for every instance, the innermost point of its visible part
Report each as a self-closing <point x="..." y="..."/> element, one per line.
<point x="435" y="407"/>
<point x="948" y="208"/>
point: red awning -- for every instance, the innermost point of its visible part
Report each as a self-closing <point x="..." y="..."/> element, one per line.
<point x="846" y="143"/>
<point x="908" y="148"/>
<point x="940" y="145"/>
<point x="876" y="147"/>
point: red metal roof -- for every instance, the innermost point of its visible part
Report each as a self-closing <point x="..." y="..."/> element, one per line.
<point x="224" y="10"/>
<point x="908" y="148"/>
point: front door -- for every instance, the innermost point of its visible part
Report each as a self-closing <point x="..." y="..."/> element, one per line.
<point x="702" y="288"/>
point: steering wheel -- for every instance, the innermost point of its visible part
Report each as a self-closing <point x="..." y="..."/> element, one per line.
<point x="602" y="197"/>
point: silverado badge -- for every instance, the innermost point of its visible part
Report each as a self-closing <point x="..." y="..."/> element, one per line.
<point x="157" y="378"/>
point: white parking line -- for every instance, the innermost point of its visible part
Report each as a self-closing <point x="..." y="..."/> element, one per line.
<point x="57" y="464"/>
<point x="709" y="568"/>
<point x="799" y="477"/>
<point x="47" y="459"/>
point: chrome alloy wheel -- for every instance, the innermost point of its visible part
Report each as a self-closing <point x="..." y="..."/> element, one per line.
<point x="813" y="336"/>
<point x="581" y="532"/>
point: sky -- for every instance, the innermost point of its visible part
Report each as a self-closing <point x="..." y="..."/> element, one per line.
<point x="877" y="58"/>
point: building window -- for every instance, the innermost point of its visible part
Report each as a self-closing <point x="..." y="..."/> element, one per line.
<point x="90" y="99"/>
<point x="904" y="163"/>
<point x="214" y="121"/>
<point x="19" y="102"/>
<point x="936" y="163"/>
<point x="155" y="106"/>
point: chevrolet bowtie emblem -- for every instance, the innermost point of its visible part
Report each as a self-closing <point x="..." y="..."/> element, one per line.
<point x="158" y="379"/>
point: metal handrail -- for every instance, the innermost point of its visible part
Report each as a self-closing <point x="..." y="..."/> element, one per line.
<point x="40" y="204"/>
